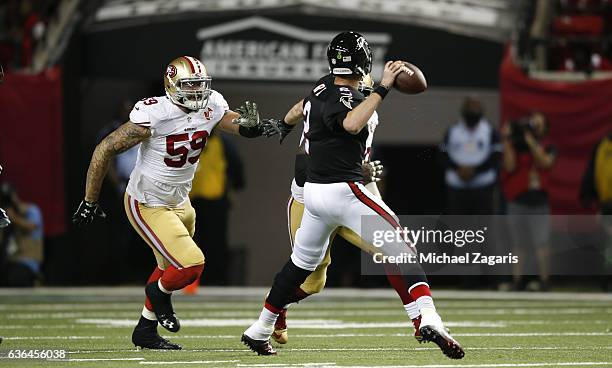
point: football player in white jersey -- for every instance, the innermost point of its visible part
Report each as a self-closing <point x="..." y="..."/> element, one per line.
<point x="172" y="131"/>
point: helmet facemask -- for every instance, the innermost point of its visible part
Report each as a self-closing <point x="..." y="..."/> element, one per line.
<point x="366" y="85"/>
<point x="192" y="93"/>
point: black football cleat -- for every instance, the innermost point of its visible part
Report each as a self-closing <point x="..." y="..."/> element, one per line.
<point x="162" y="306"/>
<point x="145" y="336"/>
<point x="261" y="347"/>
<point x="449" y="346"/>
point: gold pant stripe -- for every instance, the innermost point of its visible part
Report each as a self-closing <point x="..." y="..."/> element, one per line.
<point x="148" y="232"/>
<point x="289" y="227"/>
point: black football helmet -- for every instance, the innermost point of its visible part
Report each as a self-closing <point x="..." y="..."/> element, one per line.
<point x="349" y="54"/>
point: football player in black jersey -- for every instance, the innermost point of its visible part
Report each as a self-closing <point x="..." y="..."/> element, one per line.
<point x="335" y="115"/>
<point x="315" y="282"/>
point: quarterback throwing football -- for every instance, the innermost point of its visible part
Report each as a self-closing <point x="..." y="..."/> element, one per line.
<point x="336" y="118"/>
<point x="172" y="131"/>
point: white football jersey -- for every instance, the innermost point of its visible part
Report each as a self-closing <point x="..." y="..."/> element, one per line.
<point x="168" y="159"/>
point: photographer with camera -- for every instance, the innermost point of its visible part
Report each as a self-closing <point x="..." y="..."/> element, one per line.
<point x="525" y="159"/>
<point x="22" y="240"/>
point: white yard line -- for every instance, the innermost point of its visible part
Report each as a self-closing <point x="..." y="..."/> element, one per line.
<point x="94" y="359"/>
<point x="296" y="323"/>
<point x="188" y="362"/>
<point x="500" y="334"/>
<point x="559" y="364"/>
<point x="53" y="337"/>
<point x="511" y="348"/>
<point x="326" y="312"/>
<point x="483" y="334"/>
<point x="330" y="324"/>
<point x="305" y="365"/>
<point x="304" y="307"/>
<point x="332" y="293"/>
<point x="468" y="323"/>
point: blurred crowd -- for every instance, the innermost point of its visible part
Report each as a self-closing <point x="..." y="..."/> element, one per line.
<point x="23" y="25"/>
<point x="568" y="35"/>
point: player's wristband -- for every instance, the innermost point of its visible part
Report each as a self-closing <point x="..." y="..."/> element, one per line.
<point x="286" y="127"/>
<point x="381" y="90"/>
<point x="251" y="132"/>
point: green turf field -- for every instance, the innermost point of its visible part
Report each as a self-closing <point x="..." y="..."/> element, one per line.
<point x="341" y="328"/>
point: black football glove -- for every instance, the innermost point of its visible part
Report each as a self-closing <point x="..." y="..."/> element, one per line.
<point x="272" y="127"/>
<point x="86" y="213"/>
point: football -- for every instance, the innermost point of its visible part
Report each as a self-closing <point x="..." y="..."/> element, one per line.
<point x="412" y="82"/>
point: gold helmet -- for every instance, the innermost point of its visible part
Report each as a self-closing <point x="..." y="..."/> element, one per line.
<point x="187" y="83"/>
<point x="366" y="85"/>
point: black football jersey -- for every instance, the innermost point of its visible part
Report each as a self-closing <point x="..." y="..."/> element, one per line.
<point x="334" y="155"/>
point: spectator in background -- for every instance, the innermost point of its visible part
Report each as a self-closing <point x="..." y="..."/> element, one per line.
<point x="219" y="170"/>
<point x="525" y="159"/>
<point x="597" y="189"/>
<point x="120" y="169"/>
<point x="470" y="156"/>
<point x="25" y="29"/>
<point x="24" y="240"/>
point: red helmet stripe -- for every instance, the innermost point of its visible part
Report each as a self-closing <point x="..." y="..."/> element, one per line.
<point x="190" y="64"/>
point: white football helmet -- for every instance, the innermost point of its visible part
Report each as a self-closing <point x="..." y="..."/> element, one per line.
<point x="187" y="83"/>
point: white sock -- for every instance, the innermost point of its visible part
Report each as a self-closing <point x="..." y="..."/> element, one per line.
<point x="425" y="302"/>
<point x="413" y="310"/>
<point x="263" y="327"/>
<point x="148" y="314"/>
<point x="429" y="316"/>
<point x="162" y="288"/>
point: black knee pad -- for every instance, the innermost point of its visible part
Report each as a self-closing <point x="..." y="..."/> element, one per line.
<point x="285" y="282"/>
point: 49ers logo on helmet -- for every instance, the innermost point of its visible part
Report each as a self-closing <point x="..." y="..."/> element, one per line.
<point x="171" y="71"/>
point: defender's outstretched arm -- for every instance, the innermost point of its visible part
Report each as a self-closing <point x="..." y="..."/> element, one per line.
<point x="123" y="138"/>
